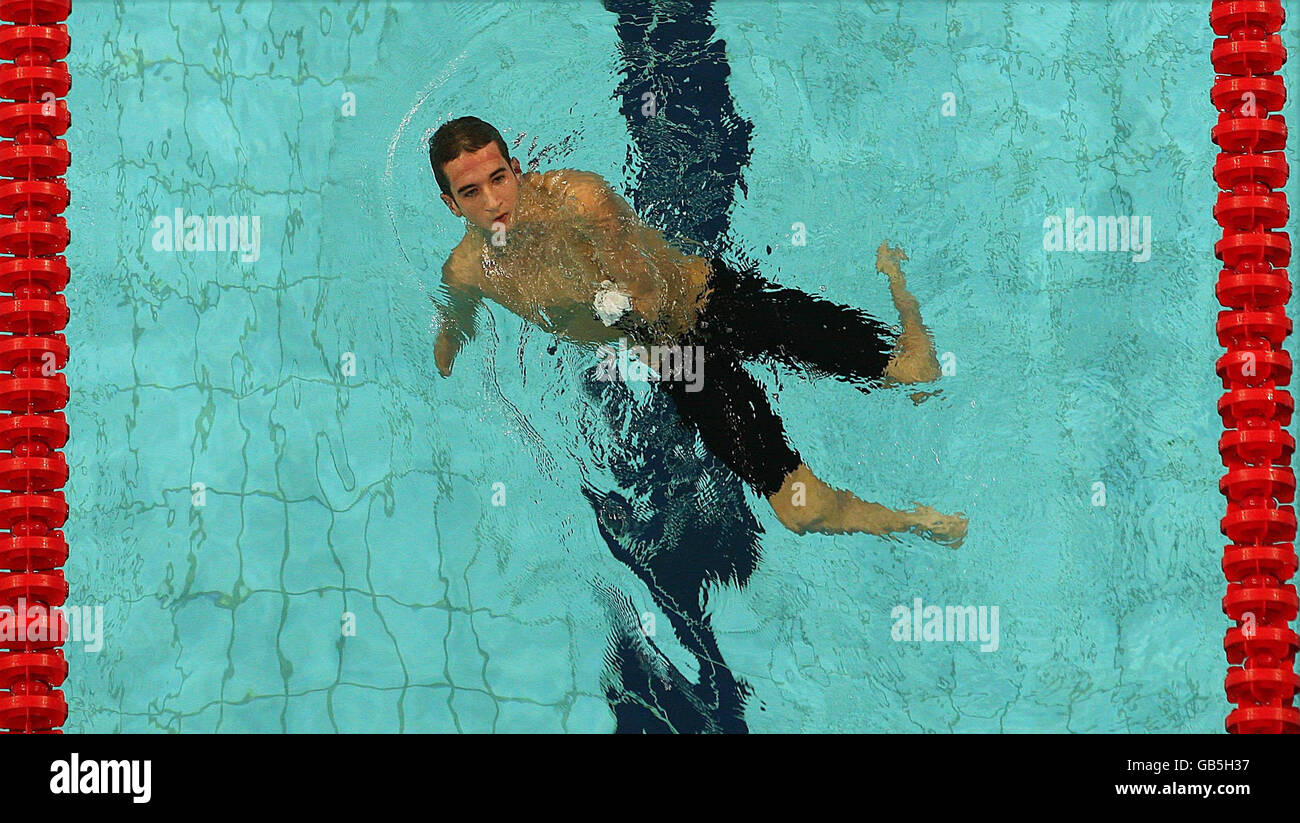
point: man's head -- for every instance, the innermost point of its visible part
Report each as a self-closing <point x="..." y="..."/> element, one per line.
<point x="473" y="167"/>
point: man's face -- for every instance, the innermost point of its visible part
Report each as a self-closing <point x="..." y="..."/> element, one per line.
<point x="484" y="188"/>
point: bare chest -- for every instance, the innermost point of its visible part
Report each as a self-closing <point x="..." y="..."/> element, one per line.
<point x="550" y="288"/>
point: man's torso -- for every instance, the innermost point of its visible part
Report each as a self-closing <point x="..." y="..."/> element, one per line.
<point x="550" y="268"/>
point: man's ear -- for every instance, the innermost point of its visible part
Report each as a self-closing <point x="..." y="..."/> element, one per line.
<point x="451" y="204"/>
<point x="514" y="164"/>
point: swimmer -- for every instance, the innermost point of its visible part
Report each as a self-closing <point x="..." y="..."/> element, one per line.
<point x="565" y="252"/>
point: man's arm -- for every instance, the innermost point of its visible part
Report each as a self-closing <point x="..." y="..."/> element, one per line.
<point x="455" y="313"/>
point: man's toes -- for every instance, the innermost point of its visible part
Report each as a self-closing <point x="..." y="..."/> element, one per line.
<point x="887" y="259"/>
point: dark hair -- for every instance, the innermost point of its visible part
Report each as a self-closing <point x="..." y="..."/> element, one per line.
<point x="456" y="137"/>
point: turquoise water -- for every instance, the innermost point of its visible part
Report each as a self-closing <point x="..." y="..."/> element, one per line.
<point x="347" y="569"/>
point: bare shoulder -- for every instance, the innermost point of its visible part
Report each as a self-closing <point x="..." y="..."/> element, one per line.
<point x="585" y="191"/>
<point x="462" y="267"/>
<point x="571" y="181"/>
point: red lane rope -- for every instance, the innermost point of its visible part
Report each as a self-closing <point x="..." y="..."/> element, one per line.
<point x="33" y="272"/>
<point x="1256" y="449"/>
<point x="1251" y="169"/>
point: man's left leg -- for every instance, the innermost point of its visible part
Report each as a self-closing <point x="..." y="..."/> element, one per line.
<point x="805" y="503"/>
<point x="800" y="329"/>
<point x="735" y="421"/>
<point x="914" y="358"/>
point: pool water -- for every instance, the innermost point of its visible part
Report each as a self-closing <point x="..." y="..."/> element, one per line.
<point x="293" y="523"/>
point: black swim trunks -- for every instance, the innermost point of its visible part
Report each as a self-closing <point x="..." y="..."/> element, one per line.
<point x="747" y="318"/>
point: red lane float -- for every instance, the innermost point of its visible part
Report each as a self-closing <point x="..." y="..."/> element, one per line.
<point x="33" y="236"/>
<point x="1256" y="450"/>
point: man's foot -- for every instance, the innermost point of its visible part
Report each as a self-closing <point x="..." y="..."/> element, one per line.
<point x="887" y="260"/>
<point x="945" y="529"/>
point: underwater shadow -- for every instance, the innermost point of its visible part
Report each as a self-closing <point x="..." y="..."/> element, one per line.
<point x="679" y="518"/>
